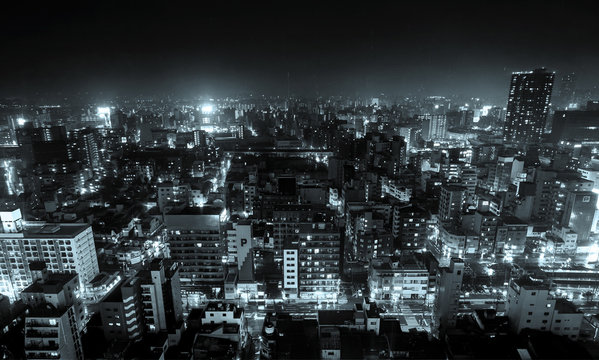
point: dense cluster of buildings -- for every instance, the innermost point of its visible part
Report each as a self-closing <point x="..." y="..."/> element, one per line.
<point x="240" y="228"/>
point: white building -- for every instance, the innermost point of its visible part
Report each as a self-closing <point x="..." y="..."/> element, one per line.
<point x="529" y="306"/>
<point x="63" y="247"/>
<point x="396" y="191"/>
<point x="398" y="279"/>
<point x="291" y="272"/>
<point x="219" y="313"/>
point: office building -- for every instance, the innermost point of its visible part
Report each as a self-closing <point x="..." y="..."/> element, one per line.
<point x="319" y="261"/>
<point x="196" y="242"/>
<point x="433" y="126"/>
<point x="527" y="107"/>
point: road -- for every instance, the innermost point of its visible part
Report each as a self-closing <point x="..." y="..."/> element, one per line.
<point x="410" y="314"/>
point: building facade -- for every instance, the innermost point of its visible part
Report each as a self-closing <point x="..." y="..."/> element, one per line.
<point x="527" y="107"/>
<point x="63" y="247"/>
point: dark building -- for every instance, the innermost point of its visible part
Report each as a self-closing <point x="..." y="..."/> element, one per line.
<point x="287" y="185"/>
<point x="567" y="90"/>
<point x="527" y="107"/>
<point x="43" y="145"/>
<point x="409" y="226"/>
<point x="576" y="125"/>
<point x="84" y="147"/>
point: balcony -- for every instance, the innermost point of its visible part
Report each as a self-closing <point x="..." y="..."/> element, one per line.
<point x="33" y="324"/>
<point x="42" y="356"/>
<point x="41" y="334"/>
<point x="40" y="346"/>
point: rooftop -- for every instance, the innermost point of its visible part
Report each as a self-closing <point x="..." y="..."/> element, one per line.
<point x="512" y="220"/>
<point x="219" y="306"/>
<point x="564" y="306"/>
<point x="46" y="311"/>
<point x="54" y="284"/>
<point x="204" y="210"/>
<point x="48" y="230"/>
<point x="528" y="283"/>
<point x="335" y="317"/>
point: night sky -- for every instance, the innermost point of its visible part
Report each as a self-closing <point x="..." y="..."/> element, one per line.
<point x="444" y="48"/>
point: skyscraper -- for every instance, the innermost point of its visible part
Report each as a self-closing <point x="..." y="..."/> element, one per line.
<point x="527" y="107"/>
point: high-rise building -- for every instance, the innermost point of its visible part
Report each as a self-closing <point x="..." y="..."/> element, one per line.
<point x="469" y="180"/>
<point x="291" y="272"/>
<point x="161" y="296"/>
<point x="433" y="126"/>
<point x="567" y="89"/>
<point x="54" y="321"/>
<point x="63" y="247"/>
<point x="527" y="107"/>
<point x="148" y="302"/>
<point x="506" y="172"/>
<point x="409" y="134"/>
<point x="122" y="312"/>
<point x="451" y="202"/>
<point x="367" y="236"/>
<point x="57" y="289"/>
<point x="398" y="153"/>
<point x="449" y="286"/>
<point x="196" y="242"/>
<point x="51" y="333"/>
<point x="319" y="260"/>
<point x="84" y="147"/>
<point x="410" y="226"/>
<point x="579" y="212"/>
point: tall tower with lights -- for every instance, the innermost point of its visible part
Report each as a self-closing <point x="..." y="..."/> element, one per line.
<point x="527" y="107"/>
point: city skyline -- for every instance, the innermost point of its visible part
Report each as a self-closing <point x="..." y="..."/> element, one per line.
<point x="299" y="180"/>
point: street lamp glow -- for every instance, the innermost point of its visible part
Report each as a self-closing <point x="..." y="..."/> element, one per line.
<point x="103" y="110"/>
<point x="207" y="109"/>
<point x="21" y="121"/>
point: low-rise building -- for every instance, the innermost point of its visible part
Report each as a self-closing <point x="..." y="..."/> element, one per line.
<point x="398" y="279"/>
<point x="530" y="306"/>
